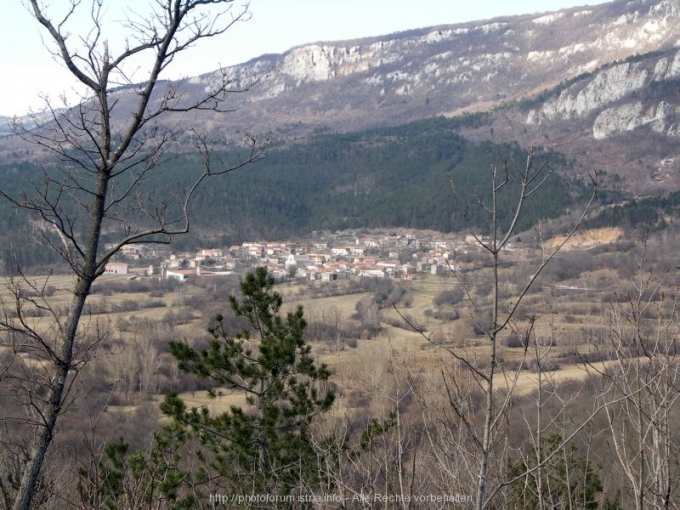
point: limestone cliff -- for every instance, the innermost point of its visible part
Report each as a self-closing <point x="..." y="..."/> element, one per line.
<point x="458" y="68"/>
<point x="610" y="95"/>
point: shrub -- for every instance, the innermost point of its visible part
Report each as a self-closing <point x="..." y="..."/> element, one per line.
<point x="547" y="365"/>
<point x="127" y="305"/>
<point x="177" y="317"/>
<point x="446" y="316"/>
<point x="513" y="365"/>
<point x="515" y="341"/>
<point x="449" y="297"/>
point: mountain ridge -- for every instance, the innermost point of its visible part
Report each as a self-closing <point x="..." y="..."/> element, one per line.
<point x="446" y="69"/>
<point x="490" y="66"/>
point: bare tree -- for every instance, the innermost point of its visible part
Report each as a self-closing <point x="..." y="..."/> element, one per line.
<point x="479" y="391"/>
<point x="150" y="365"/>
<point x="641" y="390"/>
<point x="502" y="311"/>
<point x="101" y="154"/>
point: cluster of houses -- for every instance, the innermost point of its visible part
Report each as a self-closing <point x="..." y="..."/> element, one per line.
<point x="377" y="256"/>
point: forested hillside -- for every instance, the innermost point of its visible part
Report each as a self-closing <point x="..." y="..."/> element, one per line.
<point x="643" y="214"/>
<point x="388" y="177"/>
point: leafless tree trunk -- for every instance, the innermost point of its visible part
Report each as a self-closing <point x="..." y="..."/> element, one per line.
<point x="529" y="181"/>
<point x="150" y="365"/>
<point x="481" y="447"/>
<point x="641" y="387"/>
<point x="101" y="161"/>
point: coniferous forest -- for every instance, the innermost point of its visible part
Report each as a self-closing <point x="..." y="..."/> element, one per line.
<point x="420" y="175"/>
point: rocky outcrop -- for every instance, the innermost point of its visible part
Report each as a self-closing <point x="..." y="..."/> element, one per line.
<point x="607" y="87"/>
<point x="605" y="94"/>
<point x="661" y="119"/>
<point x="451" y="69"/>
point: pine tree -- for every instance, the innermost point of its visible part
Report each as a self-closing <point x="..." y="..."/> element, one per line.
<point x="264" y="447"/>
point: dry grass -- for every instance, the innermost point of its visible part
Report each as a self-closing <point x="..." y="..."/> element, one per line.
<point x="587" y="238"/>
<point x="315" y="307"/>
<point x="217" y="405"/>
<point x="572" y="318"/>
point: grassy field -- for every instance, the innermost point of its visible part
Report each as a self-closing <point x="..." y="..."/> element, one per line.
<point x="568" y="318"/>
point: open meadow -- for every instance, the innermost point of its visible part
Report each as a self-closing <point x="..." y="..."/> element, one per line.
<point x="355" y="329"/>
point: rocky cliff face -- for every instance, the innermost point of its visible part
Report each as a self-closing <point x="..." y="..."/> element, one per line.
<point x="587" y="72"/>
<point x="610" y="94"/>
<point x="459" y="68"/>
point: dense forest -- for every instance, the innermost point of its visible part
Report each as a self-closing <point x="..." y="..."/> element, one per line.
<point x="419" y="175"/>
<point x="642" y="214"/>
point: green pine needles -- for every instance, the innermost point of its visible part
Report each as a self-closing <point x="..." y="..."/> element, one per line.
<point x="265" y="446"/>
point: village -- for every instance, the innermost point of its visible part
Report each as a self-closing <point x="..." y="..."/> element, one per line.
<point x="331" y="257"/>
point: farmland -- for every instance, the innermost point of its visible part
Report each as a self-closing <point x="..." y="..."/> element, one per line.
<point x="432" y="315"/>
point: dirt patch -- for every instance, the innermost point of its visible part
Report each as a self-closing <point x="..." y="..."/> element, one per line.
<point x="587" y="238"/>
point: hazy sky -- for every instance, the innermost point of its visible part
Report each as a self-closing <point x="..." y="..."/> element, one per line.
<point x="276" y="25"/>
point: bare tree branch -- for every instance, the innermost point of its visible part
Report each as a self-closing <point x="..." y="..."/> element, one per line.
<point x="105" y="152"/>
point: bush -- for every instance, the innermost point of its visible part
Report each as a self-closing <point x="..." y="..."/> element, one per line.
<point x="515" y="341"/>
<point x="127" y="305"/>
<point x="177" y="317"/>
<point x="95" y="307"/>
<point x="449" y="297"/>
<point x="446" y="316"/>
<point x="483" y="288"/>
<point x="547" y="365"/>
<point x="155" y="303"/>
<point x="570" y="265"/>
<point x="137" y="285"/>
<point x="513" y="365"/>
<point x="368" y="314"/>
<point x="197" y="301"/>
<point x="406" y="322"/>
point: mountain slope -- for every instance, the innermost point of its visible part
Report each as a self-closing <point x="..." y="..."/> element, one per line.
<point x="455" y="69"/>
<point x="623" y="118"/>
<point x="387" y="177"/>
<point x="451" y="69"/>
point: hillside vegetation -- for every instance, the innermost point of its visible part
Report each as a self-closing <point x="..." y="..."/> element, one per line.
<point x="388" y="177"/>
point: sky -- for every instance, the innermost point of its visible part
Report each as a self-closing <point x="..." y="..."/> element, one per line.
<point x="29" y="73"/>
